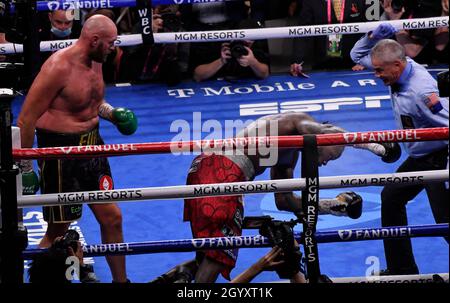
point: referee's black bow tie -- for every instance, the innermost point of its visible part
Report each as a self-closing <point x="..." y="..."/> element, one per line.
<point x="395" y="88"/>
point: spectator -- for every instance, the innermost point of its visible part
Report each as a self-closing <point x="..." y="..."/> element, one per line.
<point x="332" y="51"/>
<point x="231" y="60"/>
<point x="279" y="9"/>
<point x="58" y="25"/>
<point x="158" y="62"/>
<point x="424" y="46"/>
<point x="213" y="16"/>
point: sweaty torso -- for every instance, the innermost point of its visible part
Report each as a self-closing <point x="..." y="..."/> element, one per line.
<point x="75" y="107"/>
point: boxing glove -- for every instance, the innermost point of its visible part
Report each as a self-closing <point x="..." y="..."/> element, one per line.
<point x="125" y="120"/>
<point x="345" y="204"/>
<point x="393" y="152"/>
<point x="30" y="180"/>
<point x="353" y="203"/>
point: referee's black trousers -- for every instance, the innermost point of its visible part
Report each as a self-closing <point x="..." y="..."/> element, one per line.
<point x="398" y="252"/>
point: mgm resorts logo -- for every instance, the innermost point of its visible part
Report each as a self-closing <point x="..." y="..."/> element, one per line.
<point x="330" y="104"/>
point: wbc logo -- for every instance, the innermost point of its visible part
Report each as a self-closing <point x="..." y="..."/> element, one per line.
<point x="106" y="183"/>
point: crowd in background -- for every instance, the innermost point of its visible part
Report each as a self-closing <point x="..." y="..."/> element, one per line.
<point x="172" y="63"/>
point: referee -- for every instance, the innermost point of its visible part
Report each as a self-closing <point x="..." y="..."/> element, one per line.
<point x="416" y="104"/>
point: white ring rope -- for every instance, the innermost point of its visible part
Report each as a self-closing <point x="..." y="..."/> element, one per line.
<point x="425" y="278"/>
<point x="227" y="189"/>
<point x="249" y="34"/>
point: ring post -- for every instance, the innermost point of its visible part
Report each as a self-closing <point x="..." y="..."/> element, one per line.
<point x="11" y="260"/>
<point x="310" y="206"/>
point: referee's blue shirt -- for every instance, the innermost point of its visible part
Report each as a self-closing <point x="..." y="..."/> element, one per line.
<point x="415" y="99"/>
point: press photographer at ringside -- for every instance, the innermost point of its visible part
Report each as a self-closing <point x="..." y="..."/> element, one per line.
<point x="231" y="60"/>
<point x="59" y="263"/>
<point x="285" y="258"/>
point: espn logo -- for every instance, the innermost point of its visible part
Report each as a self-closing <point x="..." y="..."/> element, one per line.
<point x="310" y="105"/>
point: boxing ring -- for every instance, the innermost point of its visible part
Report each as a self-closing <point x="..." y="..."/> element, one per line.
<point x="270" y="186"/>
<point x="362" y="106"/>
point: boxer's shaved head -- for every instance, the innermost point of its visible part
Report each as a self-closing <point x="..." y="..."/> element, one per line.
<point x="99" y="33"/>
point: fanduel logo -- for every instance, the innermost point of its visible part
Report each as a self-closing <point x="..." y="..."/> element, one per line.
<point x="381" y="233"/>
<point x="229" y="242"/>
<point x="53" y="5"/>
<point x="331" y="104"/>
<point x="78" y="4"/>
<point x="345" y="234"/>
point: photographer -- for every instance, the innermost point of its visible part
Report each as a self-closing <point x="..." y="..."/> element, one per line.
<point x="233" y="60"/>
<point x="425" y="46"/>
<point x="269" y="262"/>
<point x="272" y="261"/>
<point x="53" y="265"/>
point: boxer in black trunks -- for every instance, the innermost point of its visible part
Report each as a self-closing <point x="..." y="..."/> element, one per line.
<point x="64" y="103"/>
<point x="71" y="175"/>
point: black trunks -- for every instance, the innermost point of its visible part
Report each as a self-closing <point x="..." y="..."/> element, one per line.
<point x="71" y="175"/>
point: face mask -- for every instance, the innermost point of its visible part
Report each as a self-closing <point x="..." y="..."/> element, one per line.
<point x="61" y="34"/>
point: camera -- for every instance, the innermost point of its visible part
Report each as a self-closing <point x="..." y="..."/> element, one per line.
<point x="238" y="49"/>
<point x="70" y="239"/>
<point x="281" y="234"/>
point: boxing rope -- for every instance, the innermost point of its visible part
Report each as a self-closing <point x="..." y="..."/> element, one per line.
<point x="188" y="245"/>
<point x="109" y="150"/>
<point x="227" y="189"/>
<point x="428" y="278"/>
<point x="249" y="34"/>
